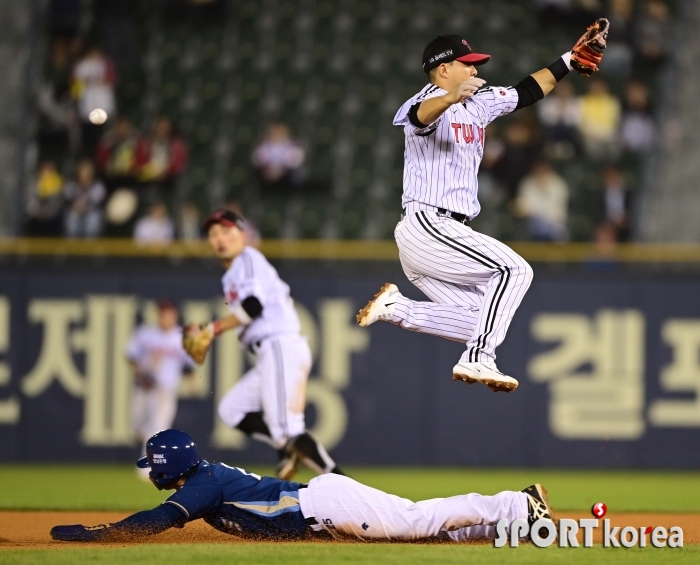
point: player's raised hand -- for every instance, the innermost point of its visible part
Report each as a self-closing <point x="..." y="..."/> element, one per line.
<point x="465" y="90"/>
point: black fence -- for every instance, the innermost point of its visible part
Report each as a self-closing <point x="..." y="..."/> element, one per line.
<point x="608" y="363"/>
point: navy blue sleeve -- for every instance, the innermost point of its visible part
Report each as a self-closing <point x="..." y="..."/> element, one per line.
<point x="137" y="525"/>
<point x="198" y="496"/>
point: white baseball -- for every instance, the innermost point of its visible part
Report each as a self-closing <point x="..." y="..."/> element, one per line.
<point x="97" y="116"/>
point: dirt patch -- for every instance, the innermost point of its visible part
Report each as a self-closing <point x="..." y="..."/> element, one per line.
<point x="31" y="529"/>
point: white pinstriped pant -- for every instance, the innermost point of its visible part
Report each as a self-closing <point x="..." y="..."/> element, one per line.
<point x="276" y="385"/>
<point x="475" y="282"/>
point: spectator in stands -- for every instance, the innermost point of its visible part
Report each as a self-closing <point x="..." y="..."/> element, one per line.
<point x="45" y="204"/>
<point x="543" y="198"/>
<point x="278" y="158"/>
<point x="519" y="153"/>
<point x="618" y="55"/>
<point x="653" y="32"/>
<point x="84" y="198"/>
<point x="616" y="203"/>
<point x="116" y="153"/>
<point x="188" y="225"/>
<point x="560" y="115"/>
<point x="156" y="227"/>
<point x="600" y="120"/>
<point x="161" y="157"/>
<point x="57" y="120"/>
<point x="94" y="80"/>
<point x="638" y="129"/>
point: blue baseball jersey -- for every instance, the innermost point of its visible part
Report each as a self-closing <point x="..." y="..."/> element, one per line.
<point x="237" y="502"/>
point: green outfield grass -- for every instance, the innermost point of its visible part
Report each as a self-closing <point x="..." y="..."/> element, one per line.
<point x="117" y="488"/>
<point x="360" y="554"/>
<point x="57" y="487"/>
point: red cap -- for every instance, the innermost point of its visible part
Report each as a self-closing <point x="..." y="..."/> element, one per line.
<point x="225" y="218"/>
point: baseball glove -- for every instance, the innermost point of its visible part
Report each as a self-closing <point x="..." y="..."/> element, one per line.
<point x="196" y="341"/>
<point x="588" y="51"/>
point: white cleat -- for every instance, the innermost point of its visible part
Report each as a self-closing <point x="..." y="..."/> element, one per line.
<point x="485" y="373"/>
<point x="381" y="307"/>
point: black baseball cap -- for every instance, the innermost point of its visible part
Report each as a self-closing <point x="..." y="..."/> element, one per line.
<point x="225" y="218"/>
<point x="446" y="48"/>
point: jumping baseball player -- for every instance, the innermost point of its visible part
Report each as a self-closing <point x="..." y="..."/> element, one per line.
<point x="268" y="402"/>
<point x="158" y="361"/>
<point x="330" y="506"/>
<point x="475" y="283"/>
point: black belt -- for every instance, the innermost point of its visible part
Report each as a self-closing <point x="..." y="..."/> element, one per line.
<point x="461" y="218"/>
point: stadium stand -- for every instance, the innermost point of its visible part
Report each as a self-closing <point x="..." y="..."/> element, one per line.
<point x="335" y="72"/>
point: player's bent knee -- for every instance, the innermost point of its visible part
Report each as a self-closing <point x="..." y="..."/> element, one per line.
<point x="230" y="414"/>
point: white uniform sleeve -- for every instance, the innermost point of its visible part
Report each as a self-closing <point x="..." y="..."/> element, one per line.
<point x="401" y="118"/>
<point x="493" y="102"/>
<point x="240" y="283"/>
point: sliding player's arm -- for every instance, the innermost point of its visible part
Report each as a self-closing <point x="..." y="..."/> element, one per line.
<point x="141" y="524"/>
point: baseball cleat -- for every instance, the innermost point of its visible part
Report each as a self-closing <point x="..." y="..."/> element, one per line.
<point x="485" y="373"/>
<point x="381" y="307"/>
<point x="538" y="507"/>
<point x="287" y="466"/>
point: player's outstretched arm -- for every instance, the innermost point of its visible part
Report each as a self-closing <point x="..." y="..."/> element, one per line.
<point x="431" y="109"/>
<point x="583" y="58"/>
<point x="141" y="524"/>
<point x="196" y="340"/>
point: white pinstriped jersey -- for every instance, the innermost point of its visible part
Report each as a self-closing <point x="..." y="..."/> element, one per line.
<point x="441" y="161"/>
<point x="251" y="274"/>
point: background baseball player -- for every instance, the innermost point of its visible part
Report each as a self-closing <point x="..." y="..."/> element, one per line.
<point x="331" y="506"/>
<point x="158" y="360"/>
<point x="475" y="282"/>
<point x="268" y="402"/>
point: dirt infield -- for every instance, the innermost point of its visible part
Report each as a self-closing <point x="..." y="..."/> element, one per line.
<point x="30" y="529"/>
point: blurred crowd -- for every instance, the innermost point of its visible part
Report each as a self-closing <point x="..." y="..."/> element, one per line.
<point x="605" y="124"/>
<point x="98" y="174"/>
<point x="95" y="167"/>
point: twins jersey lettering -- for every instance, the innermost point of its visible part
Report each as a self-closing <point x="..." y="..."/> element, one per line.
<point x="160" y="354"/>
<point x="442" y="160"/>
<point x="475" y="283"/>
<point x="251" y="274"/>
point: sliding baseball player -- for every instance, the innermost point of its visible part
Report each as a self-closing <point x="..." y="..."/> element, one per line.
<point x="244" y="504"/>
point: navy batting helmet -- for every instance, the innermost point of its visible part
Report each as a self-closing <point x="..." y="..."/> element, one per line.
<point x="170" y="454"/>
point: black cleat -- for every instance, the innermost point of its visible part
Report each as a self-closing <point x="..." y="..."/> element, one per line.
<point x="287" y="466"/>
<point x="538" y="506"/>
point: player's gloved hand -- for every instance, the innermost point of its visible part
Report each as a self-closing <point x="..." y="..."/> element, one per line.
<point x="588" y="51"/>
<point x="196" y="340"/>
<point x="78" y="532"/>
<point x="465" y="90"/>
